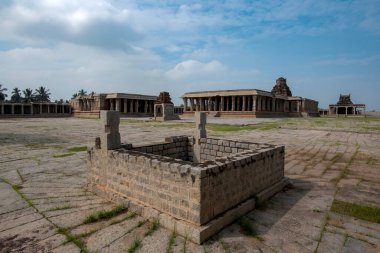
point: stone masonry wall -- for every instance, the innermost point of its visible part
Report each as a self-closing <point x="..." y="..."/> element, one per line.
<point x="232" y="179"/>
<point x="168" y="185"/>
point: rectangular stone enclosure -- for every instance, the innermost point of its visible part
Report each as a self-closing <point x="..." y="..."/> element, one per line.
<point x="196" y="199"/>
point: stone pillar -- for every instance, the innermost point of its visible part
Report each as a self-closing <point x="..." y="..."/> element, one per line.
<point x="298" y="106"/>
<point x="238" y="98"/>
<point x="146" y="107"/>
<point x="137" y="106"/>
<point x="2" y="108"/>
<point x="243" y="106"/>
<point x="40" y="108"/>
<point x="274" y="109"/>
<point x="191" y="104"/>
<point x="222" y="103"/>
<point x="215" y="104"/>
<point x="12" y="109"/>
<point x="233" y="103"/>
<point x="197" y="104"/>
<point x="254" y="100"/>
<point x="354" y="110"/>
<point x="200" y="132"/>
<point x="346" y="111"/>
<point x="117" y="100"/>
<point x="228" y="103"/>
<point x="209" y="104"/>
<point x="184" y="104"/>
<point x="56" y="108"/>
<point x="31" y="109"/>
<point x="249" y="106"/>
<point x="125" y="106"/>
<point x="131" y="105"/>
<point x="201" y="104"/>
<point x="110" y="138"/>
<point x="22" y="109"/>
<point x="48" y="108"/>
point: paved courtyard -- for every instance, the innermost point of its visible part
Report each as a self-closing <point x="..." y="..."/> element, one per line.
<point x="44" y="202"/>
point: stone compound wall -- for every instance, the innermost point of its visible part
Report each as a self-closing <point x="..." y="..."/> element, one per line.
<point x="165" y="183"/>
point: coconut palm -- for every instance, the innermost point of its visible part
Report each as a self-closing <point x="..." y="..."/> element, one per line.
<point x="16" y="95"/>
<point x="74" y="95"/>
<point x="82" y="92"/>
<point x="42" y="94"/>
<point x="2" y="94"/>
<point x="28" y="95"/>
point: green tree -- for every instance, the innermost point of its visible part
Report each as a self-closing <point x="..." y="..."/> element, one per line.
<point x="82" y="92"/>
<point x="74" y="95"/>
<point x="16" y="95"/>
<point x="28" y="95"/>
<point x="42" y="94"/>
<point x="2" y="94"/>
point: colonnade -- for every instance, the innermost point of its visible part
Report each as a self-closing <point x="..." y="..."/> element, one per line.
<point x="34" y="108"/>
<point x="255" y="103"/>
<point x="130" y="105"/>
<point x="346" y="110"/>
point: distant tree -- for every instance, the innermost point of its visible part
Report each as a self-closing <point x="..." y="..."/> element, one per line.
<point x="74" y="95"/>
<point x="82" y="92"/>
<point x="2" y="94"/>
<point x="59" y="101"/>
<point x="28" y="95"/>
<point x="42" y="94"/>
<point x="16" y="95"/>
<point x="92" y="93"/>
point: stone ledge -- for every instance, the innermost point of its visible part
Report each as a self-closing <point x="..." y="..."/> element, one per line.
<point x="194" y="233"/>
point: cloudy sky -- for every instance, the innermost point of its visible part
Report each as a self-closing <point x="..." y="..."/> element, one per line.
<point x="322" y="47"/>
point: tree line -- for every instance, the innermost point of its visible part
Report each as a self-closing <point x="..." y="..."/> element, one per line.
<point x="40" y="94"/>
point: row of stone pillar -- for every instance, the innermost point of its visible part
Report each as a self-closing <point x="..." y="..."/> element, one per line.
<point x="131" y="105"/>
<point x="32" y="111"/>
<point x="234" y="103"/>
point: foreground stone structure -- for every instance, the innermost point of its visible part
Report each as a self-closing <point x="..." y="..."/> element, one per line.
<point x="34" y="109"/>
<point x="132" y="105"/>
<point x="250" y="102"/>
<point x="193" y="185"/>
<point x="344" y="106"/>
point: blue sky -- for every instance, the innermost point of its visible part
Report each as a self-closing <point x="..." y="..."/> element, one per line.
<point x="324" y="48"/>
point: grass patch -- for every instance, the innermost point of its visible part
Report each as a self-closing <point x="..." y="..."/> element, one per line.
<point x="152" y="227"/>
<point x="171" y="242"/>
<point x="135" y="245"/>
<point x="58" y="208"/>
<point x="63" y="155"/>
<point x="103" y="214"/>
<point x="362" y="212"/>
<point x="21" y="177"/>
<point x="246" y="227"/>
<point x="77" y="149"/>
<point x="237" y="128"/>
<point x="72" y="238"/>
<point x="129" y="216"/>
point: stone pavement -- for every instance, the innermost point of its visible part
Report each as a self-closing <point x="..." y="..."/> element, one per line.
<point x="43" y="201"/>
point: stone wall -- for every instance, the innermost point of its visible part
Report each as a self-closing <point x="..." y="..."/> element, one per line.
<point x="164" y="177"/>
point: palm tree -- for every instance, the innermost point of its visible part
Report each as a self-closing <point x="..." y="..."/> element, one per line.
<point x="42" y="94"/>
<point x="28" y="95"/>
<point x="2" y="94"/>
<point x="16" y="95"/>
<point x="82" y="92"/>
<point x="74" y="95"/>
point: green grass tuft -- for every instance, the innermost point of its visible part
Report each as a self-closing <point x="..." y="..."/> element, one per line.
<point x="63" y="155"/>
<point x="129" y="216"/>
<point x="103" y="214"/>
<point x="171" y="242"/>
<point x="58" y="208"/>
<point x="72" y="238"/>
<point x="135" y="245"/>
<point x="152" y="227"/>
<point x="236" y="128"/>
<point x="246" y="226"/>
<point x="77" y="149"/>
<point x="362" y="212"/>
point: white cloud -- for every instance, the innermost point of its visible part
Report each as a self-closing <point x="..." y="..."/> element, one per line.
<point x="190" y="68"/>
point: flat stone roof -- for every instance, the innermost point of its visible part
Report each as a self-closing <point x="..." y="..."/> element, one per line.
<point x="237" y="92"/>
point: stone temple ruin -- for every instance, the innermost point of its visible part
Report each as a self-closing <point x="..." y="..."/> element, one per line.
<point x="191" y="184"/>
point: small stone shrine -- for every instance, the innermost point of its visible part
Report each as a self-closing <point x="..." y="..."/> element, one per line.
<point x="164" y="108"/>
